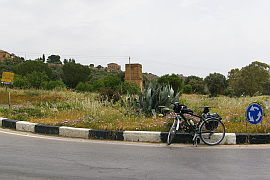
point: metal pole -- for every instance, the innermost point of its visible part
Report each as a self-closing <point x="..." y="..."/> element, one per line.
<point x="9" y="100"/>
<point x="130" y="68"/>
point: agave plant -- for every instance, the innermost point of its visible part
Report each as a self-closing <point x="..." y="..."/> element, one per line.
<point x="154" y="96"/>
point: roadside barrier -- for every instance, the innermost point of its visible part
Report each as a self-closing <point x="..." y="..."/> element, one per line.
<point x="135" y="136"/>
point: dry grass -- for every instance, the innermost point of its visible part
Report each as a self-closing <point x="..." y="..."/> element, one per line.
<point x="232" y="110"/>
<point x="69" y="108"/>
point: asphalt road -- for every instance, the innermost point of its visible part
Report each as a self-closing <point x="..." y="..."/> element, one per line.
<point x="29" y="156"/>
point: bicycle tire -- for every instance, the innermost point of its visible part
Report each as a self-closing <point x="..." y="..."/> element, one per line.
<point x="172" y="132"/>
<point x="212" y="131"/>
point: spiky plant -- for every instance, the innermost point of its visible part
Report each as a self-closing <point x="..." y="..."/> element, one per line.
<point x="154" y="96"/>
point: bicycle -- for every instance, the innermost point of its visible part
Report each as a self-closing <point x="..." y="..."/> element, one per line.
<point x="210" y="129"/>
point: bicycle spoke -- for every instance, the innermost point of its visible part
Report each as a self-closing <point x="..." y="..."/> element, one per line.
<point x="212" y="131"/>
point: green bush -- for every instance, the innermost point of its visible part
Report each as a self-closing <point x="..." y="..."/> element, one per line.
<point x="21" y="82"/>
<point x="112" y="82"/>
<point x="129" y="88"/>
<point x="187" y="89"/>
<point x="97" y="85"/>
<point x="54" y="85"/>
<point x="173" y="81"/>
<point x="83" y="87"/>
<point x="37" y="79"/>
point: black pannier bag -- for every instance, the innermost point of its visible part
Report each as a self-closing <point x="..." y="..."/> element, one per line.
<point x="212" y="125"/>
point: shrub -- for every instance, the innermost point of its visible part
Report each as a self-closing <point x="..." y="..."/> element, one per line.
<point x="112" y="82"/>
<point x="172" y="80"/>
<point x="83" y="87"/>
<point x="54" y="85"/>
<point x="21" y="82"/>
<point x="97" y="85"/>
<point x="129" y="88"/>
<point x="187" y="89"/>
<point x="110" y="95"/>
<point x="37" y="79"/>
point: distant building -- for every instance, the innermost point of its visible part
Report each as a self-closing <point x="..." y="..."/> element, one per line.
<point x="133" y="74"/>
<point x="55" y="65"/>
<point x="113" y="67"/>
<point x="4" y="55"/>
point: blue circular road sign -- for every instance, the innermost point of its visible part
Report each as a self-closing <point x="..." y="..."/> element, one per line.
<point x="254" y="114"/>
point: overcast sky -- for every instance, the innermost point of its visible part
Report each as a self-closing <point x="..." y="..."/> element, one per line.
<point x="189" y="37"/>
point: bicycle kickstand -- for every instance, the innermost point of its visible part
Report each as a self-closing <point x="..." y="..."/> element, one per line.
<point x="195" y="139"/>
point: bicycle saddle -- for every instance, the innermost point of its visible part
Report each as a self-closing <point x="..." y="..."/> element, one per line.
<point x="187" y="111"/>
<point x="206" y="109"/>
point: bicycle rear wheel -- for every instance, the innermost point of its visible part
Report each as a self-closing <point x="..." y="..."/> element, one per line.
<point x="172" y="132"/>
<point x="212" y="131"/>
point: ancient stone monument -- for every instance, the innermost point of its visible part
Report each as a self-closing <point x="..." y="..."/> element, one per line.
<point x="133" y="74"/>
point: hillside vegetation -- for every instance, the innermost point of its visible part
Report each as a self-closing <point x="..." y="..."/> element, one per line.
<point x="68" y="108"/>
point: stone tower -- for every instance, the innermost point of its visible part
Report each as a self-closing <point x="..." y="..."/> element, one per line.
<point x="133" y="74"/>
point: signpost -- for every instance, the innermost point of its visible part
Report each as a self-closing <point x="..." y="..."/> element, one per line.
<point x="254" y="113"/>
<point x="7" y="78"/>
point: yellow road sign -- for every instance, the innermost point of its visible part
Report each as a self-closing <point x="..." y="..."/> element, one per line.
<point x="7" y="77"/>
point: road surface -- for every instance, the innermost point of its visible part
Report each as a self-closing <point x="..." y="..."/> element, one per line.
<point x="34" y="157"/>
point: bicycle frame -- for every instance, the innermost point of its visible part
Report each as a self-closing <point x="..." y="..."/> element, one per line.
<point x="194" y="127"/>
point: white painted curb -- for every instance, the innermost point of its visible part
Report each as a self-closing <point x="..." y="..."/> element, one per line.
<point x="25" y="126"/>
<point x="142" y="136"/>
<point x="230" y="138"/>
<point x="74" y="132"/>
<point x="1" y="121"/>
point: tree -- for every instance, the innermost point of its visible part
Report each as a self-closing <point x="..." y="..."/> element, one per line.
<point x="112" y="82"/>
<point x="187" y="89"/>
<point x="21" y="82"/>
<point x="74" y="73"/>
<point x="250" y="80"/>
<point x="99" y="67"/>
<point x="173" y="80"/>
<point x="43" y="58"/>
<point x="54" y="59"/>
<point x="37" y="79"/>
<point x="57" y="73"/>
<point x="216" y="84"/>
<point x="31" y="66"/>
<point x="196" y="83"/>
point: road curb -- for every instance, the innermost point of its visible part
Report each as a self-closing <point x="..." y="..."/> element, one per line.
<point x="135" y="136"/>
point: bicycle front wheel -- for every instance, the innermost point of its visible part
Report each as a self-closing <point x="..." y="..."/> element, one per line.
<point x="172" y="132"/>
<point x="212" y="131"/>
